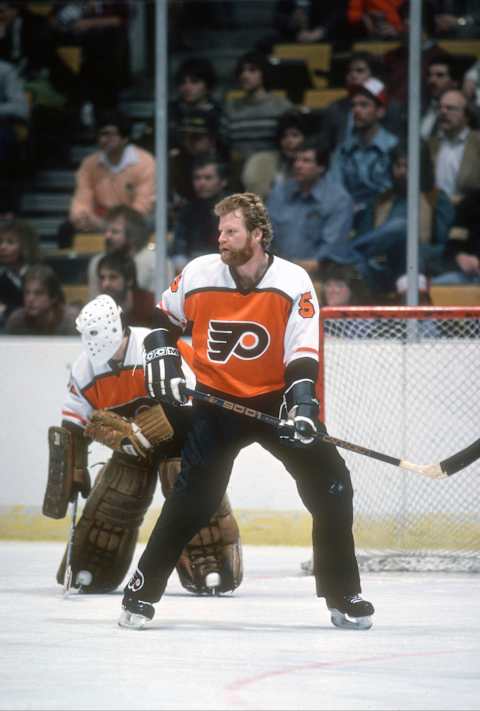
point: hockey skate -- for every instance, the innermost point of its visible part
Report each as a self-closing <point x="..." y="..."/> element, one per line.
<point x="212" y="583"/>
<point x="351" y="612"/>
<point x="135" y="613"/>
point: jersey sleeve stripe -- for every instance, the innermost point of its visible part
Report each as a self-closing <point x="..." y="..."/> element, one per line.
<point x="74" y="416"/>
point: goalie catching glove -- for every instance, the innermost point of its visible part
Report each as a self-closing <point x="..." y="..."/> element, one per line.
<point x="164" y="378"/>
<point x="135" y="437"/>
<point x="300" y="406"/>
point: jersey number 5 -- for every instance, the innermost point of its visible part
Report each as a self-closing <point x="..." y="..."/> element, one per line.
<point x="306" y="309"/>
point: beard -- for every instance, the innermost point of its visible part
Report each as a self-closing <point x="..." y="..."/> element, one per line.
<point x="238" y="257"/>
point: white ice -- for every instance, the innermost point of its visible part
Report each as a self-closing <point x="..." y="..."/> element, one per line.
<point x="270" y="645"/>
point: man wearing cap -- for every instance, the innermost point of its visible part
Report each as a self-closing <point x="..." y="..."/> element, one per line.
<point x="362" y="162"/>
<point x="199" y="136"/>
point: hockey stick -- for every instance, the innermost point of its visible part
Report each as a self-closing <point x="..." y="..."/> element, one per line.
<point x="445" y="468"/>
<point x="67" y="579"/>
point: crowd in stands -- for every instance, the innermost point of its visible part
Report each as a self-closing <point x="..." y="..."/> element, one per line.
<point x="334" y="178"/>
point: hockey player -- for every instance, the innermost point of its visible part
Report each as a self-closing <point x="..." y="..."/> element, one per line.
<point x="107" y="401"/>
<point x="255" y="338"/>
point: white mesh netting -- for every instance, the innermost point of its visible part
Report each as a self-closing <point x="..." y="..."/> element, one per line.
<point x="407" y="387"/>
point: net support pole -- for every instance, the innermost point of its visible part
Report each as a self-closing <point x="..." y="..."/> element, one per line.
<point x="413" y="192"/>
<point x="161" y="281"/>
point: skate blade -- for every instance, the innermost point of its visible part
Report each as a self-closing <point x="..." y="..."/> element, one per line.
<point x="132" y="620"/>
<point x="345" y="622"/>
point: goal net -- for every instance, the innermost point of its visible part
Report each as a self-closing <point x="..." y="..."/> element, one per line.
<point x="405" y="381"/>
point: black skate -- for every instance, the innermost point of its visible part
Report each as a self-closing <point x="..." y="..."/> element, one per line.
<point x="351" y="612"/>
<point x="135" y="613"/>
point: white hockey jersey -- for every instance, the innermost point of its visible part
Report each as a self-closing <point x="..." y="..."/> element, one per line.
<point x="121" y="389"/>
<point x="243" y="340"/>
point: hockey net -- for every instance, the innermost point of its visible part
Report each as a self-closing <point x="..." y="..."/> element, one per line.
<point x="404" y="381"/>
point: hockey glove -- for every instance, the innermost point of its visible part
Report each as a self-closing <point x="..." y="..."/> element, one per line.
<point x="164" y="378"/>
<point x="301" y="407"/>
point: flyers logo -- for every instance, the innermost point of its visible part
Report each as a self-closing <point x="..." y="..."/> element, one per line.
<point x="175" y="283"/>
<point x="244" y="339"/>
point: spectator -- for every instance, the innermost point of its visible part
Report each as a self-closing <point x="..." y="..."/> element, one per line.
<point x="471" y="87"/>
<point x="18" y="250"/>
<point x="195" y="80"/>
<point x="118" y="174"/>
<point x="311" y="214"/>
<point x="362" y="162"/>
<point x="199" y="136"/>
<point x="337" y="118"/>
<point x="461" y="263"/>
<point x="458" y="19"/>
<point x="396" y="60"/>
<point x="440" y="77"/>
<point x="375" y="19"/>
<point x="100" y="28"/>
<point x="117" y="277"/>
<point x="305" y="22"/>
<point x="343" y="286"/>
<point x="265" y="168"/>
<point x="250" y="122"/>
<point x="44" y="312"/>
<point x="14" y="109"/>
<point x="196" y="227"/>
<point x="381" y="250"/>
<point x="126" y="232"/>
<point x="456" y="150"/>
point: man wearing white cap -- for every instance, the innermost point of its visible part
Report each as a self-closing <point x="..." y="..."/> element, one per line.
<point x="362" y="162"/>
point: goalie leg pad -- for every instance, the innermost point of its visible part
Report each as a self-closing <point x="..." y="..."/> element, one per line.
<point x="67" y="470"/>
<point x="216" y="548"/>
<point x="107" y="531"/>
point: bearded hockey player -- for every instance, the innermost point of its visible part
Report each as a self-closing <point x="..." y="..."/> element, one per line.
<point x="107" y="402"/>
<point x="255" y="336"/>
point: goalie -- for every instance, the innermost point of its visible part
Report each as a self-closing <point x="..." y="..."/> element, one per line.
<point x="107" y="402"/>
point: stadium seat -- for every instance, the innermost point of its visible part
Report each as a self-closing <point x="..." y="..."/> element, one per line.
<point x="234" y="94"/>
<point x="318" y="98"/>
<point x="76" y="293"/>
<point x="455" y="295"/>
<point x="88" y="242"/>
<point x="318" y="57"/>
<point x="459" y="46"/>
<point x="374" y="47"/>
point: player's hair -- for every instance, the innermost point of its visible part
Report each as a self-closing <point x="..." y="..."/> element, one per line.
<point x="254" y="213"/>
<point x="136" y="228"/>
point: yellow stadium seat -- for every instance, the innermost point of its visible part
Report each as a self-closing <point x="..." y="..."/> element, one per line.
<point x="459" y="46"/>
<point x="455" y="295"/>
<point x="88" y="243"/>
<point x="234" y="94"/>
<point x="374" y="47"/>
<point x="318" y="98"/>
<point x="71" y="56"/>
<point x="317" y="57"/>
<point x="76" y="293"/>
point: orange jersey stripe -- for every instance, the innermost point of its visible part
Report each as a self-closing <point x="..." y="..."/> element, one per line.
<point x="112" y="390"/>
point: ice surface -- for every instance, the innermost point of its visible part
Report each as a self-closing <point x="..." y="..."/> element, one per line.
<point x="270" y="645"/>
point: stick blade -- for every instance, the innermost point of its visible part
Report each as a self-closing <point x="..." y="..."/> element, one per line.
<point x="461" y="459"/>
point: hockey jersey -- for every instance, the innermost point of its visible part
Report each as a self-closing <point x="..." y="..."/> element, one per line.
<point x="244" y="340"/>
<point x="119" y="388"/>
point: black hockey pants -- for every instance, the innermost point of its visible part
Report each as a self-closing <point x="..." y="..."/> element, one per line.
<point x="214" y="440"/>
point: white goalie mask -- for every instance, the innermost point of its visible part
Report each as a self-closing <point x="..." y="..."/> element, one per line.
<point x="100" y="325"/>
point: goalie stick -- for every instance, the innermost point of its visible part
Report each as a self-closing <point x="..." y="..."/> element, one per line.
<point x="447" y="467"/>
<point x="67" y="580"/>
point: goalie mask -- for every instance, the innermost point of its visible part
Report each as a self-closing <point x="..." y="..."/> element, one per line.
<point x="101" y="328"/>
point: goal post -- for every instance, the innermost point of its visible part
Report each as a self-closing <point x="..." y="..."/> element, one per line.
<point x="405" y="380"/>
